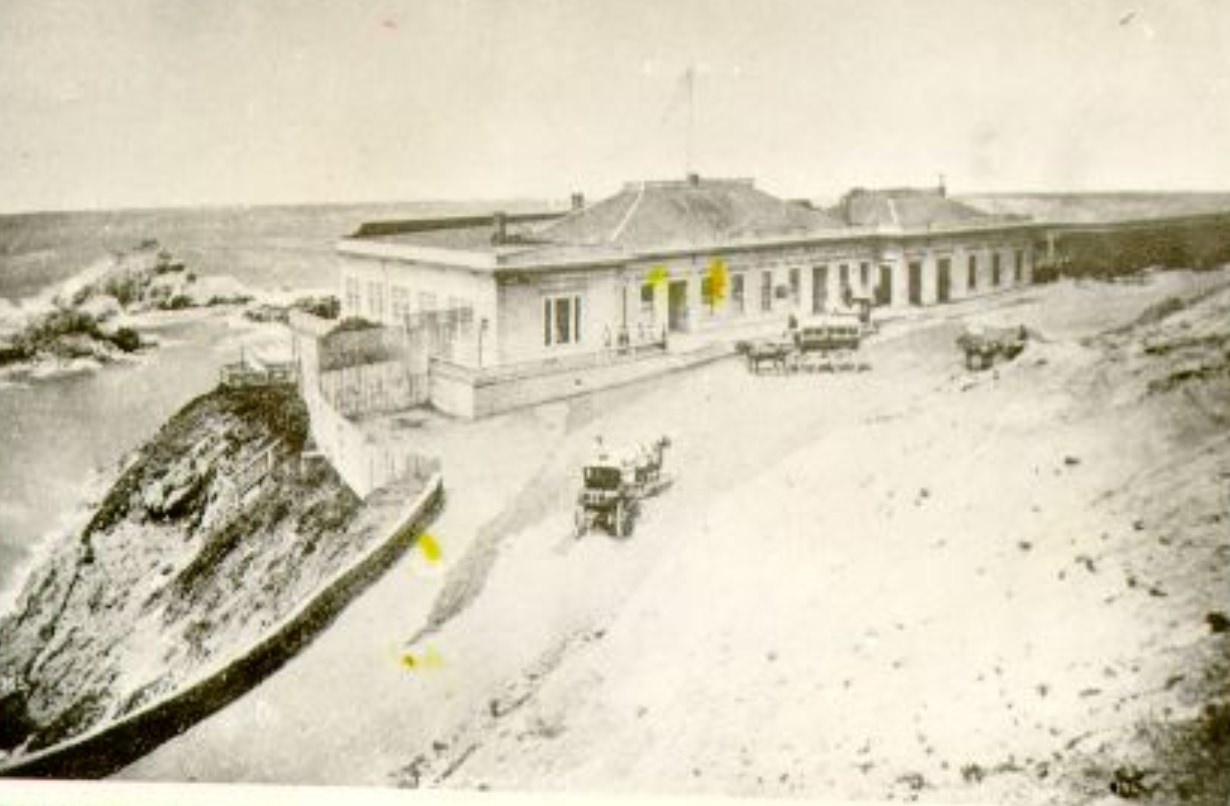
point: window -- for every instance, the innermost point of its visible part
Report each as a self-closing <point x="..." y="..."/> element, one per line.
<point x="401" y="303"/>
<point x="995" y="268"/>
<point x="864" y="276"/>
<point x="736" y="292"/>
<point x="427" y="301"/>
<point x="375" y="300"/>
<point x="795" y="288"/>
<point x="766" y="291"/>
<point x="353" y="303"/>
<point x="843" y="275"/>
<point x="971" y="272"/>
<point x="1018" y="264"/>
<point x="647" y="298"/>
<point x="561" y="320"/>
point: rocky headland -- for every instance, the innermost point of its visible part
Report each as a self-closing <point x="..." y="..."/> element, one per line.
<point x="212" y="531"/>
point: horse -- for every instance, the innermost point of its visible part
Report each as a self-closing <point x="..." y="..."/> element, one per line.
<point x="649" y="460"/>
<point x="761" y="352"/>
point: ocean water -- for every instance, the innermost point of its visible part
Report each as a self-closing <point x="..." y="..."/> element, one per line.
<point x="63" y="438"/>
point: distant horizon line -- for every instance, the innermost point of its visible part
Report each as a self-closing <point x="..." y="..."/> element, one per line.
<point x="559" y="201"/>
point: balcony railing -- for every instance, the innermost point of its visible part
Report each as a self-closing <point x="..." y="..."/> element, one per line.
<point x="606" y="357"/>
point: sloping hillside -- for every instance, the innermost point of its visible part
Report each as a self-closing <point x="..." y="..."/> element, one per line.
<point x="213" y="530"/>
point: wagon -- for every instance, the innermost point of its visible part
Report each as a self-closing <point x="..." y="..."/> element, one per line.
<point x="830" y="342"/>
<point x="613" y="485"/>
<point x="983" y="345"/>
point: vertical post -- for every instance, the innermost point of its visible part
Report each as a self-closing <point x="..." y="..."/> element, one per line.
<point x="482" y="328"/>
<point x="929" y="281"/>
<point x="691" y="79"/>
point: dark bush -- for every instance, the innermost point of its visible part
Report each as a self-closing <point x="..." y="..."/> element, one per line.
<point x="127" y="339"/>
<point x="127" y="288"/>
<point x="325" y="307"/>
<point x="352" y="324"/>
<point x="64" y="323"/>
<point x="279" y="410"/>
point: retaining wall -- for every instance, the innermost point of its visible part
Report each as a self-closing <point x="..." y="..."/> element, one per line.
<point x="110" y="748"/>
<point x="363" y="462"/>
<point x="468" y="393"/>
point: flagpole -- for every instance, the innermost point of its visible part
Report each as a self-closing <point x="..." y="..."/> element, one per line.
<point x="691" y="79"/>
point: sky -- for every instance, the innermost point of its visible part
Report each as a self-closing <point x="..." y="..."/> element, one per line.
<point x="142" y="103"/>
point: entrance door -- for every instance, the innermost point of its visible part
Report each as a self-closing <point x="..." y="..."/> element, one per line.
<point x="943" y="282"/>
<point x="915" y="282"/>
<point x="819" y="288"/>
<point x="677" y="305"/>
<point x="884" y="288"/>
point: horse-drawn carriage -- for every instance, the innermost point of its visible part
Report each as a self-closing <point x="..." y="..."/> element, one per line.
<point x="615" y="482"/>
<point x="829" y="342"/>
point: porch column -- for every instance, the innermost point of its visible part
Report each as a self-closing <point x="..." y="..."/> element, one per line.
<point x="958" y="274"/>
<point x="661" y="307"/>
<point x="929" y="293"/>
<point x="806" y="285"/>
<point x="696" y="308"/>
<point x="901" y="283"/>
<point x="984" y="270"/>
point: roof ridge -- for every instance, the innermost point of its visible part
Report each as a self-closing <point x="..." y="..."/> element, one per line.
<point x="640" y="194"/>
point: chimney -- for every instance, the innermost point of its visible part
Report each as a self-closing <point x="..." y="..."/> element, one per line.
<point x="943" y="189"/>
<point x="693" y="179"/>
<point x="578" y="202"/>
<point x="500" y="222"/>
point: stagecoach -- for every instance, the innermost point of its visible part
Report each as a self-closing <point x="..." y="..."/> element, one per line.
<point x="983" y="345"/>
<point x="824" y="342"/>
<point x="613" y="484"/>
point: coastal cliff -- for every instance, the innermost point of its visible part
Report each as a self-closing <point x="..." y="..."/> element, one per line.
<point x="212" y="531"/>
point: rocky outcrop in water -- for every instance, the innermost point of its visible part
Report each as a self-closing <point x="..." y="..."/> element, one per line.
<point x="88" y="319"/>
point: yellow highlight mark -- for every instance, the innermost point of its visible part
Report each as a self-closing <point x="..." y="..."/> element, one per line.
<point x="719" y="281"/>
<point x="429" y="660"/>
<point x="658" y="276"/>
<point x="430" y="548"/>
